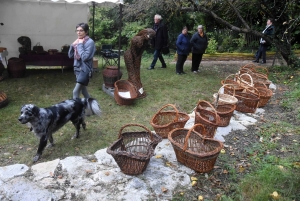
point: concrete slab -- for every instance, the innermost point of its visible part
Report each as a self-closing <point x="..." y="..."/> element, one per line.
<point x="9" y="172"/>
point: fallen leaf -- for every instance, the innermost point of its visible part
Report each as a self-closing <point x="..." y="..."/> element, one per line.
<point x="94" y="160"/>
<point x="222" y="151"/>
<point x="241" y="169"/>
<point x="163" y="189"/>
<point x="51" y="174"/>
<point x="89" y="171"/>
<point x="225" y="171"/>
<point x="106" y="173"/>
<point x="275" y="195"/>
<point x="194" y="179"/>
<point x="60" y="176"/>
<point x="182" y="193"/>
<point x="194" y="183"/>
<point x="158" y="156"/>
<point x="296" y="165"/>
<point x="200" y="198"/>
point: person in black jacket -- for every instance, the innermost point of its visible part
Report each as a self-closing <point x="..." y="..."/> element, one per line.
<point x="268" y="31"/>
<point x="199" y="44"/>
<point x="160" y="41"/>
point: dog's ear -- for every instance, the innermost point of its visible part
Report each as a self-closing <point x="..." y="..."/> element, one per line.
<point x="35" y="110"/>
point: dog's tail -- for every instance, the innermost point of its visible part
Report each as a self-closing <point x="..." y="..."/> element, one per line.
<point x="93" y="107"/>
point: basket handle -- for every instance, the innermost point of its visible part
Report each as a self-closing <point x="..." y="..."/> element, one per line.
<point x="138" y="125"/>
<point x="251" y="89"/>
<point x="171" y="105"/>
<point x="207" y="104"/>
<point x="245" y="82"/>
<point x="189" y="133"/>
<point x="229" y="76"/>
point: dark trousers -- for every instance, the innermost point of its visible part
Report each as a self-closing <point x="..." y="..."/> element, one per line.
<point x="157" y="55"/>
<point x="261" y="53"/>
<point x="196" y="60"/>
<point x="180" y="62"/>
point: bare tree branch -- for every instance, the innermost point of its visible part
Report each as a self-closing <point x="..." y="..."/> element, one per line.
<point x="238" y="14"/>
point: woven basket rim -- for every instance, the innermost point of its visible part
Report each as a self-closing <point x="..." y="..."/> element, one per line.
<point x="185" y="118"/>
<point x="211" y="153"/>
<point x="133" y="93"/>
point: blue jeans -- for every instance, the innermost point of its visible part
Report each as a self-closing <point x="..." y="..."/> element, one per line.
<point x="262" y="52"/>
<point x="157" y="55"/>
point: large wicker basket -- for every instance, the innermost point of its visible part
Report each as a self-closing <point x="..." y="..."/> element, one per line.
<point x="208" y="117"/>
<point x="133" y="150"/>
<point x="124" y="93"/>
<point x="193" y="150"/>
<point x="16" y="67"/>
<point x="3" y="99"/>
<point x="165" y="121"/>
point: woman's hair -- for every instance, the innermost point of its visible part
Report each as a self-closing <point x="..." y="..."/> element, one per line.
<point x="184" y="28"/>
<point x="157" y="16"/>
<point x="84" y="26"/>
<point x="271" y="20"/>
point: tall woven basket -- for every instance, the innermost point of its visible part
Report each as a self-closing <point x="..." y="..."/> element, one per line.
<point x="123" y="87"/>
<point x="208" y="117"/>
<point x="16" y="67"/>
<point x="165" y="121"/>
<point x="193" y="150"/>
<point x="133" y="150"/>
<point x="222" y="98"/>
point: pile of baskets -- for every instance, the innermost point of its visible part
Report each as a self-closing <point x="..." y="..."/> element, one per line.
<point x="3" y="99"/>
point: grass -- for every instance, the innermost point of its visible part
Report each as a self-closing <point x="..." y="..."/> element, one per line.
<point x="45" y="87"/>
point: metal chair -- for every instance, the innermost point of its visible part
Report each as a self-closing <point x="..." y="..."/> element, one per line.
<point x="109" y="56"/>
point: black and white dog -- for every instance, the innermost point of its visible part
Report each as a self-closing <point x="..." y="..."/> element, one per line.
<point x="45" y="121"/>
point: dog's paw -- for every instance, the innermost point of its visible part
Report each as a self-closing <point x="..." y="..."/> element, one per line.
<point x="50" y="145"/>
<point x="36" y="157"/>
<point x="75" y="136"/>
<point x="84" y="126"/>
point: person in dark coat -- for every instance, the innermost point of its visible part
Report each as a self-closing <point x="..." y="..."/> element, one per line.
<point x="199" y="44"/>
<point x="183" y="50"/>
<point x="268" y="31"/>
<point x="159" y="42"/>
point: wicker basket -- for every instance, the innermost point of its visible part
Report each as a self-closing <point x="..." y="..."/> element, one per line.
<point x="208" y="117"/>
<point x="221" y="99"/>
<point x="265" y="94"/>
<point x="3" y="99"/>
<point x="248" y="100"/>
<point x="165" y="121"/>
<point x="16" y="67"/>
<point x="133" y="150"/>
<point x="126" y="88"/>
<point x="255" y="69"/>
<point x="257" y="77"/>
<point x="245" y="80"/>
<point x="232" y="83"/>
<point x="194" y="151"/>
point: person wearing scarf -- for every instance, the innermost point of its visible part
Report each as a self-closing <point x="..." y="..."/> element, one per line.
<point x="199" y="43"/>
<point x="82" y="50"/>
<point x="268" y="31"/>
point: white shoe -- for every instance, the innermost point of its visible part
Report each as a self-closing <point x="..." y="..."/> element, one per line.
<point x="195" y="71"/>
<point x="198" y="71"/>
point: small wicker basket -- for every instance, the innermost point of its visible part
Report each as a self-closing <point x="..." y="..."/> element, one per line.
<point x="221" y="99"/>
<point x="165" y="121"/>
<point x="3" y="99"/>
<point x="124" y="86"/>
<point x="133" y="150"/>
<point x="232" y="83"/>
<point x="265" y="94"/>
<point x="208" y="117"/>
<point x="248" y="100"/>
<point x="193" y="150"/>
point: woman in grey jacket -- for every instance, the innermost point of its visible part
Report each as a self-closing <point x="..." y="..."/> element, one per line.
<point x="199" y="44"/>
<point x="82" y="50"/>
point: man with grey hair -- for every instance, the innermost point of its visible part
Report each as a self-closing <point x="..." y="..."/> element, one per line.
<point x="159" y="42"/>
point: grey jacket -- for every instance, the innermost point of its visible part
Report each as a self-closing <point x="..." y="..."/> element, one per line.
<point x="86" y="52"/>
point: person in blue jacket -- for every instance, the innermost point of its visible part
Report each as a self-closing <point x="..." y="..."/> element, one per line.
<point x="199" y="43"/>
<point x="183" y="50"/>
<point x="82" y="50"/>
